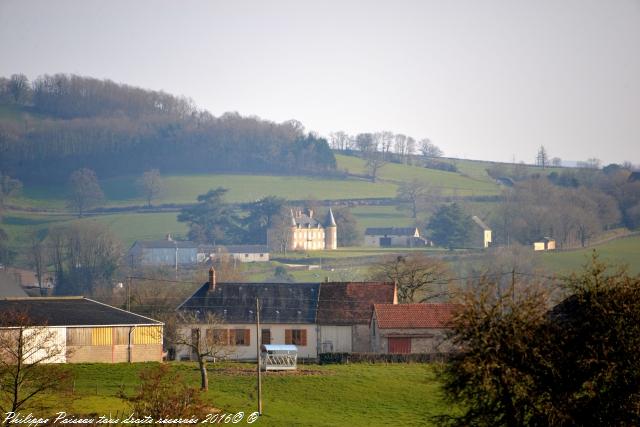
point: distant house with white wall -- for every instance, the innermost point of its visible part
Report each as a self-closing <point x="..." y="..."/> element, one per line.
<point x="241" y="253"/>
<point x="545" y="244"/>
<point x="480" y="234"/>
<point x="411" y="328"/>
<point x="402" y="237"/>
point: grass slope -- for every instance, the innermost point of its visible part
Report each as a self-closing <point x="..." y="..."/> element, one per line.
<point x="450" y="182"/>
<point x="334" y="395"/>
<point x="620" y="251"/>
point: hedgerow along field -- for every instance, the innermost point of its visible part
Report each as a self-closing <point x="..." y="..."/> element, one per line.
<point x="314" y="395"/>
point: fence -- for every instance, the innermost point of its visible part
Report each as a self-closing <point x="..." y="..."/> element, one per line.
<point x="344" y="358"/>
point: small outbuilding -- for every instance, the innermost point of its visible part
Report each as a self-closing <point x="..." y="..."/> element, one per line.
<point x="279" y="357"/>
<point x="411" y="328"/>
<point x="384" y="237"/>
<point x="87" y="331"/>
<point x="546" y="244"/>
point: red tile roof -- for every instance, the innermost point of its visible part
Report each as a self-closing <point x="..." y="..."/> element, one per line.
<point x="414" y="316"/>
<point x="351" y="303"/>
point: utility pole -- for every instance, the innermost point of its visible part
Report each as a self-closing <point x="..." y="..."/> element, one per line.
<point x="258" y="355"/>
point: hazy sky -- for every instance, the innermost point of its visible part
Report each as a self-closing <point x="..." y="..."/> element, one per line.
<point x="483" y="79"/>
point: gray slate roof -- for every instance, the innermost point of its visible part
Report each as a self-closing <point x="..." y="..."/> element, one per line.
<point x="390" y="231"/>
<point x="73" y="311"/>
<point x="480" y="223"/>
<point x="166" y="244"/>
<point x="236" y="302"/>
<point x="237" y="249"/>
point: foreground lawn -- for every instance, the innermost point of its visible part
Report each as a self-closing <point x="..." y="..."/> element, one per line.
<point x="329" y="395"/>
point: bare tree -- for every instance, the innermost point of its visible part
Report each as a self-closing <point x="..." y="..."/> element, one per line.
<point x="151" y="185"/>
<point x="429" y="149"/>
<point x="85" y="256"/>
<point x="418" y="195"/>
<point x="279" y="234"/>
<point x="411" y="148"/>
<point x="28" y="353"/>
<point x="542" y="158"/>
<point x="339" y="140"/>
<point x="556" y="161"/>
<point x="400" y="145"/>
<point x="19" y="87"/>
<point x="85" y="191"/>
<point x="374" y="163"/>
<point x="365" y="142"/>
<point x="418" y="276"/>
<point x="204" y="335"/>
<point x="38" y="258"/>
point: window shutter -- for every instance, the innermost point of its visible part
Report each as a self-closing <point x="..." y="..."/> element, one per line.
<point x="303" y="337"/>
<point x="225" y="337"/>
<point x="287" y="336"/>
<point x="247" y="337"/>
<point x="232" y="337"/>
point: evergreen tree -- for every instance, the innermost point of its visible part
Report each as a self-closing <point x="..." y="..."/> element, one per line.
<point x="212" y="220"/>
<point x="450" y="226"/>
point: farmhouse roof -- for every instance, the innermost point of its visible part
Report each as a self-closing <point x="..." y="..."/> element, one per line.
<point x="349" y="303"/>
<point x="391" y="231"/>
<point x="414" y="316"/>
<point x="73" y="311"/>
<point x="480" y="223"/>
<point x="237" y="249"/>
<point x="166" y="244"/>
<point x="236" y="302"/>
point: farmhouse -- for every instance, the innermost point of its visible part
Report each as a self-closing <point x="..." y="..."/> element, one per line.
<point x="411" y="328"/>
<point x="304" y="232"/>
<point x="89" y="331"/>
<point x="167" y="252"/>
<point x="407" y="237"/>
<point x="480" y="234"/>
<point x="287" y="315"/>
<point x="241" y="253"/>
<point x="344" y="314"/>
<point x="315" y="317"/>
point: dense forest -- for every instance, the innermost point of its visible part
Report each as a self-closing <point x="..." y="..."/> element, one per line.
<point x="79" y="122"/>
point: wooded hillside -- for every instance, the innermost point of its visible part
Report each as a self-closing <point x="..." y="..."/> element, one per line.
<point x="66" y="122"/>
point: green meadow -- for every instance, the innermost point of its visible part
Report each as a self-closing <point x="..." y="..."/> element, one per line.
<point x="624" y="251"/>
<point x="314" y="395"/>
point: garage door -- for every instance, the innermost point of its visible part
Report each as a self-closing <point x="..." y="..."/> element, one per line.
<point x="399" y="345"/>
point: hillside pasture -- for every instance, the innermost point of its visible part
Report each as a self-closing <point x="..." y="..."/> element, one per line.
<point x="451" y="183"/>
<point x="624" y="251"/>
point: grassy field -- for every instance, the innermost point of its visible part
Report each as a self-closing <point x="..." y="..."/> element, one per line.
<point x="450" y="182"/>
<point x="184" y="189"/>
<point x="128" y="227"/>
<point x="327" y="395"/>
<point x="625" y="251"/>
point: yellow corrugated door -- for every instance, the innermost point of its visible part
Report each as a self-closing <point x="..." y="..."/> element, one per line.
<point x="102" y="336"/>
<point x="147" y="335"/>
